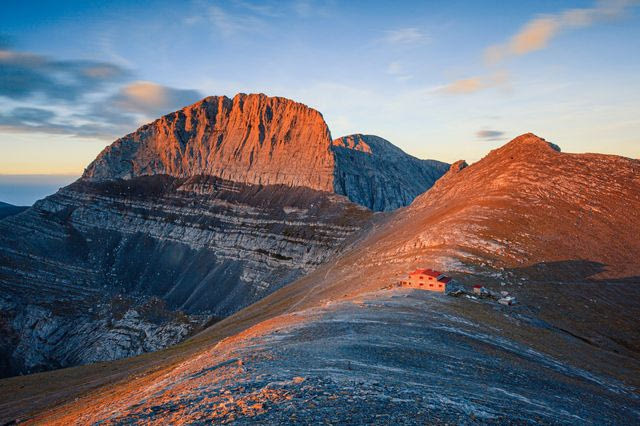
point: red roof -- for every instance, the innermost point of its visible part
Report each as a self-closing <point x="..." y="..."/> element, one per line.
<point x="429" y="272"/>
<point x="432" y="273"/>
<point x="478" y="286"/>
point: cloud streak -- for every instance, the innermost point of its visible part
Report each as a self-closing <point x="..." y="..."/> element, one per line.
<point x="490" y="135"/>
<point x="240" y="17"/>
<point x="40" y="120"/>
<point x="150" y="99"/>
<point x="79" y="98"/>
<point x="535" y="35"/>
<point x="26" y="75"/>
<point x="230" y="24"/>
<point x="475" y="84"/>
<point x="405" y="36"/>
<point x="538" y="33"/>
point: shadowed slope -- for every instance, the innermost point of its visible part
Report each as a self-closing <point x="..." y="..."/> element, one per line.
<point x="7" y="210"/>
<point x="80" y="269"/>
<point x="373" y="172"/>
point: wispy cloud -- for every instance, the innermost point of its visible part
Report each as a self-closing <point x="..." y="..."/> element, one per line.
<point x="105" y="42"/>
<point x="463" y="86"/>
<point x="41" y="120"/>
<point x="475" y="84"/>
<point x="80" y="98"/>
<point x="230" y="24"/>
<point x="264" y="9"/>
<point x="303" y="8"/>
<point x="24" y="75"/>
<point x="538" y="33"/>
<point x="152" y="100"/>
<point x="490" y="135"/>
<point x="397" y="69"/>
<point x="238" y="17"/>
<point x="410" y="35"/>
<point x="27" y="117"/>
<point x="308" y="8"/>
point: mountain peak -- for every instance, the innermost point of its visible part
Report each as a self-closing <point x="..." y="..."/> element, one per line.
<point x="252" y="138"/>
<point x="527" y="147"/>
<point x="458" y="166"/>
<point x="373" y="172"/>
<point x="263" y="140"/>
<point x="370" y="144"/>
<point x="356" y="142"/>
<point x="530" y="141"/>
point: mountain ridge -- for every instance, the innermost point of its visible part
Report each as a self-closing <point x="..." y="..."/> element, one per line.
<point x="7" y="209"/>
<point x="551" y="358"/>
<point x="375" y="173"/>
<point x="205" y="245"/>
<point x="568" y="193"/>
<point x="257" y="139"/>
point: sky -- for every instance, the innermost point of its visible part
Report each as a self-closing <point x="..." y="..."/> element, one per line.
<point x="443" y="80"/>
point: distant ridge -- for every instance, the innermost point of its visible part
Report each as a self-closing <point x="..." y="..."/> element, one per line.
<point x="373" y="172"/>
<point x="7" y="209"/>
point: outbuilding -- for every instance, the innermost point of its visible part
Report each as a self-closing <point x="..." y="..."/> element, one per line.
<point x="478" y="289"/>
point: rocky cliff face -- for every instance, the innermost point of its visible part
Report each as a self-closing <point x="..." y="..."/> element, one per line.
<point x="375" y="173"/>
<point x="268" y="141"/>
<point x="248" y="139"/>
<point x="44" y="328"/>
<point x="79" y="269"/>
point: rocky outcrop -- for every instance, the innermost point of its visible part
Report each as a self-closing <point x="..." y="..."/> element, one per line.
<point x="202" y="246"/>
<point x="375" y="173"/>
<point x="42" y="330"/>
<point x="248" y="139"/>
<point x="264" y="140"/>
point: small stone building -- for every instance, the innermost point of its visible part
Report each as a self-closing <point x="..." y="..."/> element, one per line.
<point x="426" y="279"/>
<point x="478" y="289"/>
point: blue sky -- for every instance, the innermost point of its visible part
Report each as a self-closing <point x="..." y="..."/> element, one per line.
<point x="443" y="80"/>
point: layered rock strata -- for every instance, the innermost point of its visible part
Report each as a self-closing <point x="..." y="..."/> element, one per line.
<point x="204" y="246"/>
